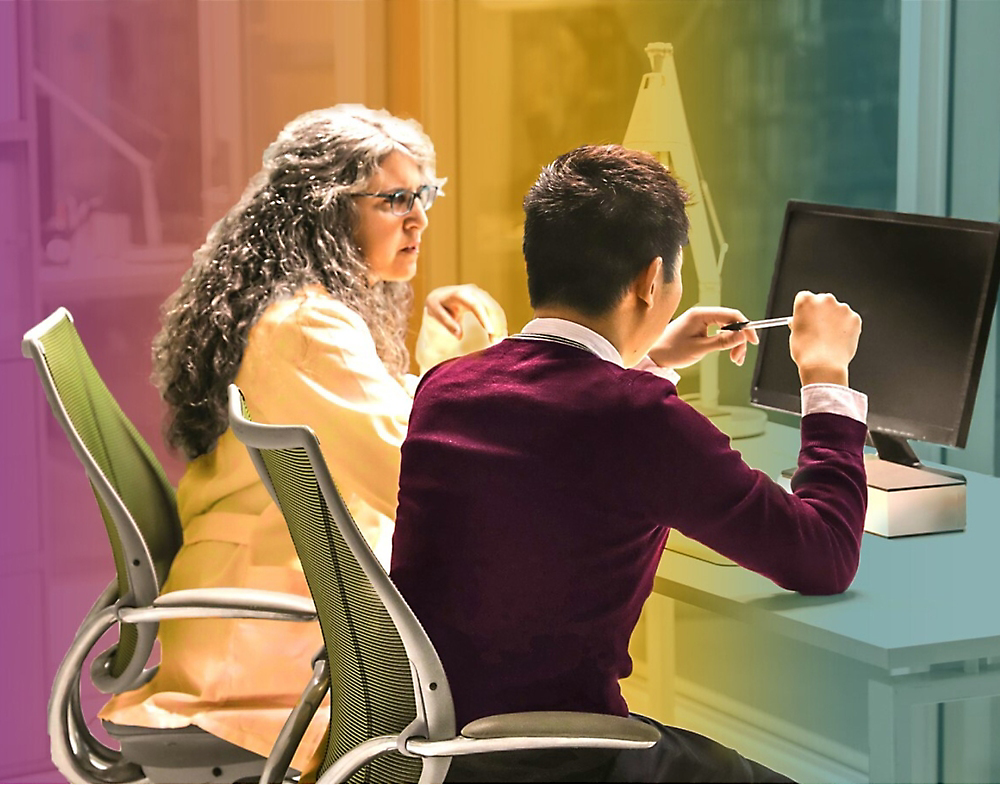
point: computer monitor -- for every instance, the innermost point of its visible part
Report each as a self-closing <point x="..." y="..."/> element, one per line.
<point x="925" y="287"/>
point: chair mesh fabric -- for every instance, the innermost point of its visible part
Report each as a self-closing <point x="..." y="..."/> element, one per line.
<point x="372" y="686"/>
<point x="125" y="460"/>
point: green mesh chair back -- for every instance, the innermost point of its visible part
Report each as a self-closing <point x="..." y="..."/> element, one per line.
<point x="385" y="675"/>
<point x="136" y="500"/>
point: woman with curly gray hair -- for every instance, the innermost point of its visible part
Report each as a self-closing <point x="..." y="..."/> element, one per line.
<point x="301" y="296"/>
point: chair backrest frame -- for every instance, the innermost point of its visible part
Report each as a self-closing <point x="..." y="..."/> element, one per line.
<point x="434" y="716"/>
<point x="136" y="559"/>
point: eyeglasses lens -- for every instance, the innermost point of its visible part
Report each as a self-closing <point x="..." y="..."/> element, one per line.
<point x="402" y="201"/>
<point x="427" y="195"/>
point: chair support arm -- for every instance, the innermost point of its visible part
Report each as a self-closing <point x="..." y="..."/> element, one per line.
<point x="358" y="757"/>
<point x="237" y="598"/>
<point x="223" y="604"/>
<point x="506" y="732"/>
<point x="295" y="726"/>
<point x="67" y="731"/>
<point x="140" y="615"/>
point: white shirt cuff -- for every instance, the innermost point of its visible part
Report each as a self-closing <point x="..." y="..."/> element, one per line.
<point x="646" y="364"/>
<point x="834" y="399"/>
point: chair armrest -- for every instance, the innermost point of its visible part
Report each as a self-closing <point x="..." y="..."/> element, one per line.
<point x="541" y="730"/>
<point x="226" y="603"/>
<point x="561" y="724"/>
<point x="257" y="599"/>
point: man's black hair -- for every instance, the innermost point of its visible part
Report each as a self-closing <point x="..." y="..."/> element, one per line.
<point x="593" y="220"/>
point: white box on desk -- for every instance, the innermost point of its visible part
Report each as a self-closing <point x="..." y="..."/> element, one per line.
<point x="906" y="500"/>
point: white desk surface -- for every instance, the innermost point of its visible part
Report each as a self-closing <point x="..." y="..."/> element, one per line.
<point x="916" y="601"/>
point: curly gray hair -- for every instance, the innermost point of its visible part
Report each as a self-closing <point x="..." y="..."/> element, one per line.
<point x="294" y="226"/>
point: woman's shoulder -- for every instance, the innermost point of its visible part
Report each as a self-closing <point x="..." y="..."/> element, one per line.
<point x="309" y="307"/>
<point x="307" y="323"/>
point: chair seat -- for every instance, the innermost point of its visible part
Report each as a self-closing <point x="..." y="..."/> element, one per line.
<point x="175" y="747"/>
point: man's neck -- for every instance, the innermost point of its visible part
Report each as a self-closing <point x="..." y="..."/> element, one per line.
<point x="608" y="326"/>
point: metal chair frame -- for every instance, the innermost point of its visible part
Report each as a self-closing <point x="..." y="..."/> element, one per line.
<point x="431" y="735"/>
<point x="76" y="752"/>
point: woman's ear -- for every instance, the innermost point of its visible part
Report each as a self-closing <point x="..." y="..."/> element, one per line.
<point x="649" y="280"/>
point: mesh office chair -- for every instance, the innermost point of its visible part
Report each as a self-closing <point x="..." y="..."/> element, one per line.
<point x="140" y="513"/>
<point x="391" y="712"/>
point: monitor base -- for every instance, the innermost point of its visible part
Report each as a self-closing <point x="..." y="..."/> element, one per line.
<point x="908" y="500"/>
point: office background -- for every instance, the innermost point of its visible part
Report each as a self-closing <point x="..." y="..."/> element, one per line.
<point x="127" y="128"/>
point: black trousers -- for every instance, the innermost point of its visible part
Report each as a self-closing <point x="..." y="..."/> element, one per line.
<point x="679" y="756"/>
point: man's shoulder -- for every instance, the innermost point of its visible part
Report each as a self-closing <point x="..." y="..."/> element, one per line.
<point x="515" y="356"/>
<point x="463" y="365"/>
<point x="532" y="366"/>
<point x="460" y="370"/>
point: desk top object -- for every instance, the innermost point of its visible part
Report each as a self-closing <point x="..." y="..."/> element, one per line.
<point x="915" y="600"/>
<point x="907" y="500"/>
<point x="923" y="348"/>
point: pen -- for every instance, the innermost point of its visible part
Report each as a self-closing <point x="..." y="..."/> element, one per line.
<point x="761" y="324"/>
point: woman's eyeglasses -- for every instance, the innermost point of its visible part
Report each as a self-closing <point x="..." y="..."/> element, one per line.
<point x="401" y="201"/>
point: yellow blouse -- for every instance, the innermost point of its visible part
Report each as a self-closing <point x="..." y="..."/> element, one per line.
<point x="311" y="360"/>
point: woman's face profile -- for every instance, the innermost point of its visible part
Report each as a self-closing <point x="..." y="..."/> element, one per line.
<point x="390" y="243"/>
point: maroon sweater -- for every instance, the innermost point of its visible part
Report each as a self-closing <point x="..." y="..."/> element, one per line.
<point x="537" y="487"/>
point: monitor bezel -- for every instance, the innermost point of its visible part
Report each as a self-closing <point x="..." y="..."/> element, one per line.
<point x="894" y="426"/>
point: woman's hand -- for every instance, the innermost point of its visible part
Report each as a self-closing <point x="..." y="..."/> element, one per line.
<point x="686" y="339"/>
<point x="448" y="304"/>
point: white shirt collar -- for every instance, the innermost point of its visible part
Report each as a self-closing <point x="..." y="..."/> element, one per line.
<point x="595" y="343"/>
<point x="572" y="331"/>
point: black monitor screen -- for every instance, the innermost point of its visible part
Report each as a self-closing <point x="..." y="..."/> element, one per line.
<point x="925" y="288"/>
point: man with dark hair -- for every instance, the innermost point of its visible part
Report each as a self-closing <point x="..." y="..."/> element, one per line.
<point x="593" y="220"/>
<point x="540" y="477"/>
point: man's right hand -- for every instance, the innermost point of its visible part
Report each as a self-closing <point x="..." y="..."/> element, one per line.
<point x="824" y="338"/>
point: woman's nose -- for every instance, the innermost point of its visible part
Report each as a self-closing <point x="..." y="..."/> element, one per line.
<point x="417" y="215"/>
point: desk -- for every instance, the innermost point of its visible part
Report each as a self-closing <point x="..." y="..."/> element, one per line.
<point x="918" y="612"/>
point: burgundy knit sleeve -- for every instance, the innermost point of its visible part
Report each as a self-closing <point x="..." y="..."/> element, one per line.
<point x="808" y="541"/>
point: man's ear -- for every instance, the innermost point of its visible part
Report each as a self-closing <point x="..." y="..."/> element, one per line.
<point x="649" y="281"/>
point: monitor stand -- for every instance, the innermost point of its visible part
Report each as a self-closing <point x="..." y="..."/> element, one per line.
<point x="905" y="497"/>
